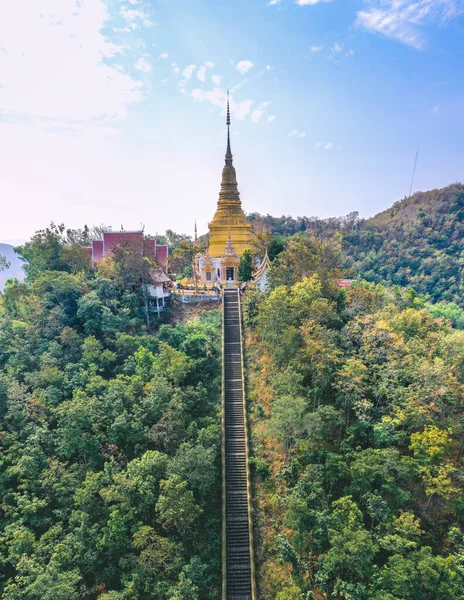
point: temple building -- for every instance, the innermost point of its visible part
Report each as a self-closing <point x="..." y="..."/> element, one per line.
<point x="229" y="231"/>
<point x="136" y="240"/>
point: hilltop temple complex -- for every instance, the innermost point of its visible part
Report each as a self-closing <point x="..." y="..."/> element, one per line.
<point x="229" y="231"/>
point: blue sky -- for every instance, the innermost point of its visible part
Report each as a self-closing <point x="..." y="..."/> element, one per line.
<point x="113" y="111"/>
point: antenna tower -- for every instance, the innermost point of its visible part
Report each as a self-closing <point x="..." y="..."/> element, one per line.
<point x="413" y="173"/>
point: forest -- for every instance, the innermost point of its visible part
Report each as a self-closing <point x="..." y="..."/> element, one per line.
<point x="355" y="399"/>
<point x="418" y="242"/>
<point x="109" y="435"/>
<point x="110" y="417"/>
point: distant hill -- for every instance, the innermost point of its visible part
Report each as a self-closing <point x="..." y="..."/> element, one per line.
<point x="418" y="242"/>
<point x="15" y="269"/>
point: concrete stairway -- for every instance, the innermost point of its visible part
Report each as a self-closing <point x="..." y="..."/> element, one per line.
<point x="239" y="575"/>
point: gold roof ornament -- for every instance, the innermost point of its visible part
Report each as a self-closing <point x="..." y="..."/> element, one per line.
<point x="263" y="267"/>
<point x="230" y="258"/>
<point x="229" y="217"/>
<point x="208" y="264"/>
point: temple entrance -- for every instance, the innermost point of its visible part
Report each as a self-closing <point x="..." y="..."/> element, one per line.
<point x="230" y="275"/>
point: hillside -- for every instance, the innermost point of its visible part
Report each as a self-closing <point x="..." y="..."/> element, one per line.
<point x="355" y="404"/>
<point x="418" y="242"/>
<point x="109" y="436"/>
<point x="15" y="269"/>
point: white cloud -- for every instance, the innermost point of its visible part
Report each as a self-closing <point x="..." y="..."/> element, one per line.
<point x="328" y="146"/>
<point x="316" y="49"/>
<point x="350" y="53"/>
<point x="241" y="109"/>
<point x="318" y="145"/>
<point x="164" y="55"/>
<point x="218" y="97"/>
<point x="400" y="19"/>
<point x="216" y="79"/>
<point x="54" y="62"/>
<point x="336" y="48"/>
<point x="271" y="118"/>
<point x="244" y="66"/>
<point x="176" y="70"/>
<point x="273" y="2"/>
<point x="258" y="112"/>
<point x="268" y="67"/>
<point x="143" y="65"/>
<point x="131" y="14"/>
<point x="201" y="73"/>
<point x="297" y="133"/>
<point x="310" y="2"/>
<point x="188" y="71"/>
<point x="209" y="64"/>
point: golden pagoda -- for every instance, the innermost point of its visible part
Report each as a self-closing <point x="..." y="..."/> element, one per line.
<point x="229" y="220"/>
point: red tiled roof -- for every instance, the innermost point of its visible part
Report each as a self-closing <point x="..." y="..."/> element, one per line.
<point x="114" y="238"/>
<point x="162" y="255"/>
<point x="149" y="248"/>
<point x="97" y="250"/>
<point x="345" y="282"/>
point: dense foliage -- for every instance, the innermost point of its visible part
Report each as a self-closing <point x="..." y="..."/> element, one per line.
<point x="357" y="429"/>
<point x="419" y="242"/>
<point x="109" y="436"/>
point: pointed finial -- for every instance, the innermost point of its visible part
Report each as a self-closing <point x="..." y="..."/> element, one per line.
<point x="196" y="234"/>
<point x="228" y="152"/>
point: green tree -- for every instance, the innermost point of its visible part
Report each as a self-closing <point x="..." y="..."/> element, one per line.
<point x="245" y="267"/>
<point x="4" y="264"/>
<point x="287" y="421"/>
<point x="176" y="507"/>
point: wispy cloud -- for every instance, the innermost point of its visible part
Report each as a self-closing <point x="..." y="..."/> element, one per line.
<point x="188" y="71"/>
<point x="131" y="14"/>
<point x="216" y="79"/>
<point x="201" y="73"/>
<point x="244" y="66"/>
<point x="164" y="55"/>
<point x="61" y="67"/>
<point x="310" y="2"/>
<point x="259" y="112"/>
<point x="316" y="49"/>
<point x="401" y="19"/>
<point x="143" y="65"/>
<point x="273" y="2"/>
<point x="296" y="133"/>
<point x="209" y="64"/>
<point x="218" y="97"/>
<point x="271" y="118"/>
<point x="324" y="145"/>
<point x="133" y="17"/>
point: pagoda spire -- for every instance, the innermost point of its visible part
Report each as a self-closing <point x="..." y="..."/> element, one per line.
<point x="228" y="151"/>
<point x="229" y="193"/>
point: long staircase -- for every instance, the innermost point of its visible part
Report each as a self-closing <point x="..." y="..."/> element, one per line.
<point x="238" y="565"/>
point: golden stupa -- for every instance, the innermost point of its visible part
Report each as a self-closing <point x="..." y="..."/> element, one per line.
<point x="229" y="219"/>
